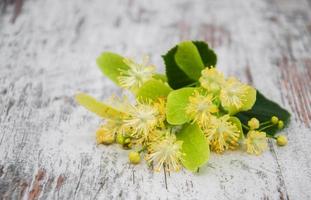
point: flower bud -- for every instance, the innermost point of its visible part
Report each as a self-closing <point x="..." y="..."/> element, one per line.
<point x="103" y="136"/>
<point x="280" y="124"/>
<point x="274" y="120"/>
<point x="127" y="141"/>
<point x="281" y="140"/>
<point x="127" y="144"/>
<point x="253" y="123"/>
<point x="120" y="138"/>
<point x="134" y="157"/>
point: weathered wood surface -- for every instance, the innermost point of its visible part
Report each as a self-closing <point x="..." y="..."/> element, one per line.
<point x="47" y="145"/>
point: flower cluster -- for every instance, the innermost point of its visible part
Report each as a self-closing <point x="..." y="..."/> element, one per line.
<point x="144" y="125"/>
<point x="173" y="128"/>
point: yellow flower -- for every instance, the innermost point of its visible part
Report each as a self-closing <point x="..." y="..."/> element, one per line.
<point x="236" y="96"/>
<point x="201" y="107"/>
<point x="134" y="157"/>
<point x="211" y="79"/>
<point x="280" y="124"/>
<point x="104" y="136"/>
<point x="274" y="120"/>
<point x="160" y="105"/>
<point x="222" y="134"/>
<point x="143" y="119"/>
<point x="137" y="74"/>
<point x="281" y="140"/>
<point x="165" y="153"/>
<point x="253" y="123"/>
<point x="156" y="135"/>
<point x="256" y="142"/>
<point x="107" y="132"/>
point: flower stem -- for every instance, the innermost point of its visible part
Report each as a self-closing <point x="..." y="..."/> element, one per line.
<point x="244" y="126"/>
<point x="270" y="136"/>
<point x="192" y="84"/>
<point x="142" y="149"/>
<point x="265" y="127"/>
<point x="265" y="123"/>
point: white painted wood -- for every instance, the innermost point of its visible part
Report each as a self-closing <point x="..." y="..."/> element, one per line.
<point x="47" y="142"/>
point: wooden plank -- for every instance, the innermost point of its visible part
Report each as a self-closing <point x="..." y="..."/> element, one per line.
<point x="47" y="143"/>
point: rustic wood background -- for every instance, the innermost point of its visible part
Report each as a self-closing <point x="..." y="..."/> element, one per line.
<point x="47" y="142"/>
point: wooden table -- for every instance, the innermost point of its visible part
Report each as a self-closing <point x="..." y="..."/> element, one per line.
<point x="47" y="142"/>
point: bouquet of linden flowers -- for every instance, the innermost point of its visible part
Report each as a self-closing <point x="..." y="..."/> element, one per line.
<point x="178" y="118"/>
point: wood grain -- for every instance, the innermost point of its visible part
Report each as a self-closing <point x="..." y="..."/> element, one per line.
<point x="47" y="142"/>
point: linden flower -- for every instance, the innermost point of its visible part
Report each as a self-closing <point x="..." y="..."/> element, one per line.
<point x="211" y="79"/>
<point x="143" y="119"/>
<point x="137" y="74"/>
<point x="201" y="107"/>
<point x="165" y="153"/>
<point x="236" y="96"/>
<point x="104" y="136"/>
<point x="256" y="142"/>
<point x="160" y="105"/>
<point x="108" y="131"/>
<point x="222" y="134"/>
<point x="156" y="135"/>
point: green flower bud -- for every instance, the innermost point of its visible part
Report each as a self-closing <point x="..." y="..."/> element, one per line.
<point x="281" y="140"/>
<point x="280" y="124"/>
<point x="274" y="120"/>
<point x="120" y="138"/>
<point x="253" y="123"/>
<point x="127" y="141"/>
<point x="127" y="144"/>
<point x="134" y="157"/>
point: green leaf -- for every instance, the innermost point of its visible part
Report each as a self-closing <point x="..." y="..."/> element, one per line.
<point x="263" y="110"/>
<point x="208" y="56"/>
<point x="175" y="76"/>
<point x="153" y="89"/>
<point x="189" y="60"/>
<point x="111" y="64"/>
<point x="97" y="107"/>
<point x="181" y="76"/>
<point x="177" y="102"/>
<point x="195" y="147"/>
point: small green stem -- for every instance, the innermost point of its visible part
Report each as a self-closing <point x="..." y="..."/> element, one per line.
<point x="263" y="128"/>
<point x="246" y="127"/>
<point x="265" y="123"/>
<point x="143" y="149"/>
<point x="270" y="136"/>
<point x="192" y="84"/>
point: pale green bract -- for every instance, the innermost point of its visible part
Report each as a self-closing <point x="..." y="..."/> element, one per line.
<point x="153" y="89"/>
<point x="177" y="102"/>
<point x="111" y="65"/>
<point x="97" y="107"/>
<point x="188" y="59"/>
<point x="195" y="147"/>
